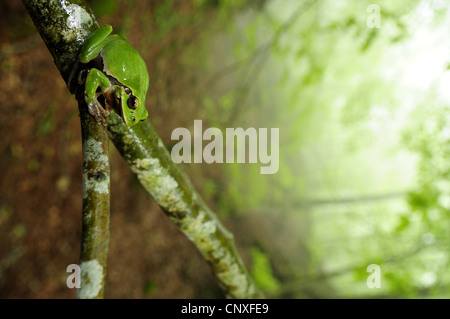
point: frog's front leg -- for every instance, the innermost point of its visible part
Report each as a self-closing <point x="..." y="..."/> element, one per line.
<point x="94" y="80"/>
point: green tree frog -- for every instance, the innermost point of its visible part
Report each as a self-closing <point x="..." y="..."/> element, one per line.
<point x="117" y="77"/>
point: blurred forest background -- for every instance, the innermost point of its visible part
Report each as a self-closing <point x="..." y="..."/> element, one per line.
<point x="364" y="173"/>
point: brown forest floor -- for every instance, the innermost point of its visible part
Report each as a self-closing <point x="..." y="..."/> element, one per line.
<point x="40" y="160"/>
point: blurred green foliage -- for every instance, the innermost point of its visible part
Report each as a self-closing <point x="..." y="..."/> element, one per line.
<point x="351" y="126"/>
<point x="103" y="8"/>
<point x="261" y="271"/>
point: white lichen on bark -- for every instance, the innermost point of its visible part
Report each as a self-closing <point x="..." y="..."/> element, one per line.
<point x="157" y="180"/>
<point x="93" y="151"/>
<point x="77" y="20"/>
<point x="91" y="279"/>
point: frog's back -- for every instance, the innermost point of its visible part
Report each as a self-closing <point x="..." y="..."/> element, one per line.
<point x="126" y="64"/>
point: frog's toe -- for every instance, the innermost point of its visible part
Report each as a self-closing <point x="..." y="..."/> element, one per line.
<point x="96" y="110"/>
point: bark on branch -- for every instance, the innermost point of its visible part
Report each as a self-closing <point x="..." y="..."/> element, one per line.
<point x="96" y="203"/>
<point x="64" y="25"/>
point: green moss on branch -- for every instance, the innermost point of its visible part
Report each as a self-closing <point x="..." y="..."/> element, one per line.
<point x="63" y="25"/>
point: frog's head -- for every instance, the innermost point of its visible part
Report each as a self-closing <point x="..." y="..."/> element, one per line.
<point x="132" y="108"/>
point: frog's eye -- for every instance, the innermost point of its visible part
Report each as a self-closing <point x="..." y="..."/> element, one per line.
<point x="133" y="102"/>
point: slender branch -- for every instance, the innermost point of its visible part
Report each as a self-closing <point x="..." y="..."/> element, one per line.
<point x="264" y="48"/>
<point x="96" y="204"/>
<point x="351" y="200"/>
<point x="149" y="159"/>
<point x="264" y="52"/>
<point x="293" y="286"/>
<point x="64" y="25"/>
<point x="308" y="203"/>
<point x="256" y="60"/>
